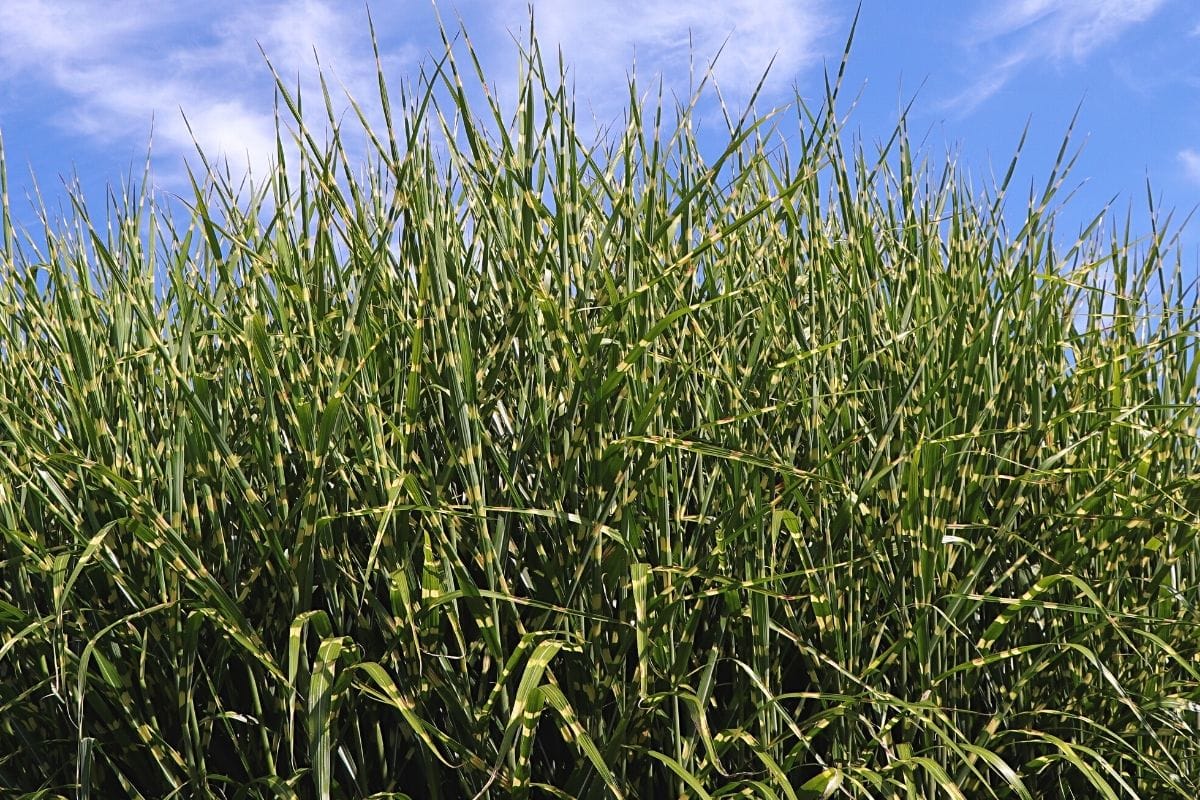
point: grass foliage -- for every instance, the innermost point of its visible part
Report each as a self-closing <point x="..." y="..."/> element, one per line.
<point x="515" y="464"/>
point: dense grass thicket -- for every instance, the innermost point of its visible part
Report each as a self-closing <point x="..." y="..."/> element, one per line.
<point x="514" y="464"/>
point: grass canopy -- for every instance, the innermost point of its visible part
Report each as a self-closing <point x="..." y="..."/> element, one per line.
<point x="505" y="463"/>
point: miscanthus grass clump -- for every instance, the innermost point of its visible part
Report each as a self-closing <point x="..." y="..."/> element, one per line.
<point x="508" y="463"/>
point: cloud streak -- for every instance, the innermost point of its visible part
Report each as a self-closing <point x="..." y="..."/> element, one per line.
<point x="601" y="38"/>
<point x="1189" y="159"/>
<point x="1063" y="29"/>
<point x="1024" y="32"/>
<point x="109" y="71"/>
<point x="121" y="65"/>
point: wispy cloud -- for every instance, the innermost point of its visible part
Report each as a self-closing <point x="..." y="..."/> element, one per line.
<point x="119" y="65"/>
<point x="1063" y="28"/>
<point x="993" y="79"/>
<point x="1019" y="33"/>
<point x="72" y="30"/>
<point x="1189" y="159"/>
<point x="601" y="38"/>
<point x="108" y="69"/>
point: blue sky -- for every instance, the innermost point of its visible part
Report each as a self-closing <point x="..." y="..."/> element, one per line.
<point x="81" y="82"/>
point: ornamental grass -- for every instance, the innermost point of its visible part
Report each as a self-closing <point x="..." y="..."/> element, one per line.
<point x="515" y="461"/>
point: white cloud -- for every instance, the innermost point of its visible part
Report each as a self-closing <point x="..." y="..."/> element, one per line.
<point x="83" y="30"/>
<point x="1063" y="28"/>
<point x="105" y="71"/>
<point x="122" y="64"/>
<point x="1189" y="159"/>
<point x="982" y="89"/>
<point x="601" y="39"/>
<point x="1028" y="31"/>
